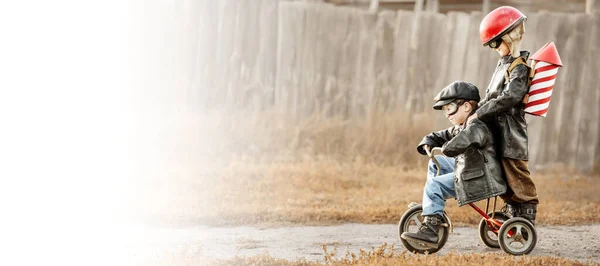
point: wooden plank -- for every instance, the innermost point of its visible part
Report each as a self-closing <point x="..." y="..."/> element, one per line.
<point x="325" y="67"/>
<point x="316" y="85"/>
<point x="348" y="37"/>
<point x="581" y="94"/>
<point x="286" y="54"/>
<point x="550" y="149"/>
<point x="436" y="58"/>
<point x="330" y="55"/>
<point x="487" y="65"/>
<point x="359" y="68"/>
<point x="459" y="46"/>
<point x="374" y="5"/>
<point x="364" y="85"/>
<point x="592" y="6"/>
<point x="441" y="37"/>
<point x="402" y="33"/>
<point x="245" y="47"/>
<point x="385" y="60"/>
<point x="589" y="102"/>
<point x="539" y="129"/>
<point x="199" y="88"/>
<point x="412" y="98"/>
<point x="296" y="87"/>
<point x="459" y="24"/>
<point x="471" y="71"/>
<point x="225" y="40"/>
<point x="432" y="6"/>
<point x="281" y="59"/>
<point x="305" y="89"/>
<point x="267" y="57"/>
<point x="571" y="73"/>
<point x="210" y="49"/>
<point x="419" y="76"/>
<point x="313" y="76"/>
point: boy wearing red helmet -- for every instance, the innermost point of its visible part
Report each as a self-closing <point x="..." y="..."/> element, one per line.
<point x="503" y="110"/>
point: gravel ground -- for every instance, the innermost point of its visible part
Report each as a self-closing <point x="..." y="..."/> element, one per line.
<point x="574" y="242"/>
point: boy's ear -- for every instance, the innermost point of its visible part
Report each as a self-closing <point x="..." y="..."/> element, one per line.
<point x="468" y="107"/>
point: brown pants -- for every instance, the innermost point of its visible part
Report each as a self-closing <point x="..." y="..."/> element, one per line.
<point x="521" y="188"/>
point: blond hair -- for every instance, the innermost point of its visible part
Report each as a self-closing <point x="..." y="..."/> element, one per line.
<point x="513" y="39"/>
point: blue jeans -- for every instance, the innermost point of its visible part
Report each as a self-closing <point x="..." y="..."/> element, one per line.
<point x="438" y="188"/>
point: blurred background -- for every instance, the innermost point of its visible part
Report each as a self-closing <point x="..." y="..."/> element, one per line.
<point x="281" y="112"/>
<point x="251" y="111"/>
<point x="260" y="112"/>
<point x="485" y="6"/>
<point x="291" y="65"/>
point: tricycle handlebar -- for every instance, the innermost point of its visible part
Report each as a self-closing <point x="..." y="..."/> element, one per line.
<point x="431" y="154"/>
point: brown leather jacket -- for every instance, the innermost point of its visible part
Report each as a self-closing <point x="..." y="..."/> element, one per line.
<point x="477" y="169"/>
<point x="502" y="108"/>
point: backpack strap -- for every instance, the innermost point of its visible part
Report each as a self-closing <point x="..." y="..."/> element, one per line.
<point x="520" y="61"/>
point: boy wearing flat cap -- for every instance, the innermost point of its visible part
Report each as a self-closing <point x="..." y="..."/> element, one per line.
<point x="474" y="171"/>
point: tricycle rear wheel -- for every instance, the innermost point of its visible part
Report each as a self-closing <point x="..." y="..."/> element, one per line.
<point x="517" y="236"/>
<point x="487" y="234"/>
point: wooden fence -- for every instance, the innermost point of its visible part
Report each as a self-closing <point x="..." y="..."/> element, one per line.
<point x="304" y="58"/>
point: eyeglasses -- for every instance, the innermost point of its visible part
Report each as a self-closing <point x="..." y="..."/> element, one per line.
<point x="495" y="43"/>
<point x="452" y="108"/>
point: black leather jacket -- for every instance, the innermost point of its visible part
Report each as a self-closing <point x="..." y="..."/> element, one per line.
<point x="477" y="169"/>
<point x="502" y="108"/>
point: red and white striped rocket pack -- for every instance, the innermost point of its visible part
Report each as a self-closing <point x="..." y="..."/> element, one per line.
<point x="545" y="66"/>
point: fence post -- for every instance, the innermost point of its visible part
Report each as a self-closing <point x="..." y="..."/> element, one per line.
<point x="592" y="6"/>
<point x="432" y="6"/>
<point x="485" y="7"/>
<point x="418" y="6"/>
<point x="374" y="5"/>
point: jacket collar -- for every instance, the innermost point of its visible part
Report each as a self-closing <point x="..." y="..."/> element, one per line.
<point x="464" y="125"/>
<point x="508" y="59"/>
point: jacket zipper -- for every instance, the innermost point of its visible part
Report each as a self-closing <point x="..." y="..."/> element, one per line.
<point x="483" y="155"/>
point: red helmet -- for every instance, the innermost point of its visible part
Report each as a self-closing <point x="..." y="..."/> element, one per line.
<point x="498" y="22"/>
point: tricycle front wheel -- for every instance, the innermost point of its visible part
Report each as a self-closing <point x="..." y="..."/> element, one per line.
<point x="411" y="221"/>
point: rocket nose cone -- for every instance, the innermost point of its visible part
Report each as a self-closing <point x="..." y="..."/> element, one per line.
<point x="547" y="53"/>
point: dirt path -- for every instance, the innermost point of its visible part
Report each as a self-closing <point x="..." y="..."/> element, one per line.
<point x="575" y="242"/>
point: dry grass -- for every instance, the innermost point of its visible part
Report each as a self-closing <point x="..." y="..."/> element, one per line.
<point x="326" y="191"/>
<point x="383" y="255"/>
<point x="273" y="170"/>
<point x="248" y="243"/>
